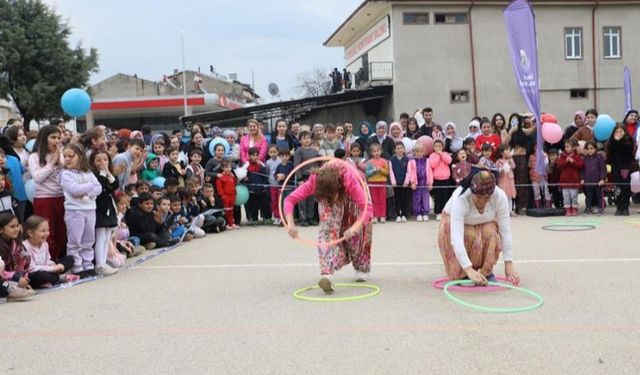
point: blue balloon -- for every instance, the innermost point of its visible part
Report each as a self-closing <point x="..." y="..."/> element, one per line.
<point x="75" y="102"/>
<point x="158" y="182"/>
<point x="218" y="141"/>
<point x="242" y="195"/>
<point x="29" y="145"/>
<point x="30" y="188"/>
<point x="604" y="127"/>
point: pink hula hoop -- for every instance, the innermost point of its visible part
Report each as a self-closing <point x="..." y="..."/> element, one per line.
<point x="439" y="284"/>
<point x="358" y="222"/>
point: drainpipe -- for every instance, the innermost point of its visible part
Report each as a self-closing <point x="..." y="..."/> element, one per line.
<point x="473" y="60"/>
<point x="593" y="55"/>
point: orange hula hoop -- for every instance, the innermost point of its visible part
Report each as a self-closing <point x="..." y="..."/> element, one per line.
<point x="358" y="222"/>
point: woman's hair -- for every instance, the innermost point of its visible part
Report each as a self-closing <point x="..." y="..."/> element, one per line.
<point x="42" y="142"/>
<point x="625" y="137"/>
<point x="91" y="134"/>
<point x="93" y="157"/>
<point x="12" y="133"/>
<point x="83" y="162"/>
<point x="477" y="176"/>
<point x="328" y="184"/>
<point x="505" y="125"/>
<point x="32" y="223"/>
<point x="591" y="111"/>
<point x="198" y="127"/>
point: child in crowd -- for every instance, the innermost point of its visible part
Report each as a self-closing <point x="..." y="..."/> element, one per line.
<point x="106" y="212"/>
<point x="174" y="220"/>
<point x="151" y="171"/>
<point x="506" y="178"/>
<point x="307" y="207"/>
<point x="272" y="164"/>
<point x="195" y="168"/>
<point x="570" y="164"/>
<point x="257" y="181"/>
<point x="356" y="159"/>
<point x="594" y="175"/>
<point x="212" y="169"/>
<point x="400" y="180"/>
<point x="330" y="143"/>
<point x="439" y="162"/>
<point x="191" y="209"/>
<point x="486" y="161"/>
<point x="282" y="171"/>
<point x="80" y="188"/>
<point x="469" y="145"/>
<point x="175" y="168"/>
<point x="226" y="188"/>
<point x="43" y="271"/>
<point x="7" y="202"/>
<point x="421" y="180"/>
<point x="156" y="192"/>
<point x="147" y="224"/>
<point x="461" y="169"/>
<point x="159" y="150"/>
<point x="539" y="181"/>
<point x="171" y="186"/>
<point x="377" y="172"/>
<point x="211" y="210"/>
<point x="124" y="162"/>
<point x="15" y="259"/>
<point x="553" y="178"/>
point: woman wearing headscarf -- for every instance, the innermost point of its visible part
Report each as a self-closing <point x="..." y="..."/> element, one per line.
<point x="579" y="120"/>
<point x="453" y="142"/>
<point x="474" y="229"/>
<point x="383" y="139"/>
<point x="363" y="140"/>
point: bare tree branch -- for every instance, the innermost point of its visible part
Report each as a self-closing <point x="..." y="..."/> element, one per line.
<point x="312" y="83"/>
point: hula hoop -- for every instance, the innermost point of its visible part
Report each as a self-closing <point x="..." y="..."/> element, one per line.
<point x="578" y="222"/>
<point x="375" y="290"/>
<point x="569" y="227"/>
<point x="632" y="221"/>
<point x="528" y="292"/>
<point x="358" y="222"/>
<point x="439" y="284"/>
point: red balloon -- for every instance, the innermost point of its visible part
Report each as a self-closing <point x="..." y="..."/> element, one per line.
<point x="548" y="117"/>
<point x="427" y="142"/>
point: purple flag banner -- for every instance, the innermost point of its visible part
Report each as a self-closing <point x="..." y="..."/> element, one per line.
<point x="628" y="103"/>
<point x="521" y="31"/>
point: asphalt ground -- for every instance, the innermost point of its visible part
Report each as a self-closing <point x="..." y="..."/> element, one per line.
<point x="224" y="305"/>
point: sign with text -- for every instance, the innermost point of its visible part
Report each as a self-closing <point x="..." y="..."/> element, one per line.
<point x="374" y="36"/>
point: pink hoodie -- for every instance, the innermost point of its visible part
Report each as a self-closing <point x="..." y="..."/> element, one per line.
<point x="439" y="165"/>
<point x="46" y="177"/>
<point x="261" y="145"/>
<point x="412" y="173"/>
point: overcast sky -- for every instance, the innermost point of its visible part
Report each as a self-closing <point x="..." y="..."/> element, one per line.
<point x="277" y="39"/>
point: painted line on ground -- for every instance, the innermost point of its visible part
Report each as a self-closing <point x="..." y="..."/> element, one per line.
<point x="381" y="264"/>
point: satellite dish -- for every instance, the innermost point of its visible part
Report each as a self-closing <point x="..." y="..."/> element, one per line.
<point x="273" y="89"/>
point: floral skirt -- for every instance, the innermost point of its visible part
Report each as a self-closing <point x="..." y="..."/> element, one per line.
<point x="483" y="244"/>
<point x="334" y="220"/>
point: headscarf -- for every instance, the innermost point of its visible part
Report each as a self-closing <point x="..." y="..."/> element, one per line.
<point x="215" y="131"/>
<point x="381" y="124"/>
<point x="473" y="123"/>
<point x="393" y="126"/>
<point x="134" y="134"/>
<point x="456" y="141"/>
<point x="581" y="115"/>
<point x="124" y="133"/>
<point x="230" y="132"/>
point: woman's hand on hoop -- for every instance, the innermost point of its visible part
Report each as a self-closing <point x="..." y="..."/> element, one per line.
<point x="292" y="230"/>
<point x="349" y="233"/>
<point x="475" y="276"/>
<point x="511" y="274"/>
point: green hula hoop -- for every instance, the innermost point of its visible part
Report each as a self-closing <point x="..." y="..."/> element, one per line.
<point x="576" y="222"/>
<point x="632" y="221"/>
<point x="494" y="309"/>
<point x="374" y="291"/>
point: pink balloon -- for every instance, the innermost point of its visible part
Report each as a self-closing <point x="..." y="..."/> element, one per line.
<point x="427" y="142"/>
<point x="635" y="182"/>
<point x="551" y="132"/>
<point x="548" y="117"/>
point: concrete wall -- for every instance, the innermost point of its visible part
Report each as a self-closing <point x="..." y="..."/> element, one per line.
<point x="354" y="113"/>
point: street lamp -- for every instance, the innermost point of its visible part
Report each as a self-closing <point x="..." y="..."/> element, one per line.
<point x="184" y="76"/>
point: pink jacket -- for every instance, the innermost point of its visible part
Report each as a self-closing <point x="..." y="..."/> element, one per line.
<point x="412" y="173"/>
<point x="439" y="165"/>
<point x="46" y="177"/>
<point x="351" y="185"/>
<point x="40" y="257"/>
<point x="261" y="145"/>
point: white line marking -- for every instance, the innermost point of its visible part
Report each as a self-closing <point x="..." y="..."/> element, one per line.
<point x="385" y="264"/>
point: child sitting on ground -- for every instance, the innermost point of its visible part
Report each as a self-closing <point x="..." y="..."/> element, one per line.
<point x="146" y="223"/>
<point x="211" y="210"/>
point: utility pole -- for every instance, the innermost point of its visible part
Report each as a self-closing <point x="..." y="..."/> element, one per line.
<point x="184" y="75"/>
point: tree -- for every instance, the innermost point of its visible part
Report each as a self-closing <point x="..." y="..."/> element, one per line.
<point x="314" y="82"/>
<point x="37" y="64"/>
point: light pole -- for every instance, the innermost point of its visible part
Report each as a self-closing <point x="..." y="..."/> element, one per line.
<point x="184" y="75"/>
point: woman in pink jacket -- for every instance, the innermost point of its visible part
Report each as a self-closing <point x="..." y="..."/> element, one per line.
<point x="439" y="162"/>
<point x="256" y="139"/>
<point x="341" y="200"/>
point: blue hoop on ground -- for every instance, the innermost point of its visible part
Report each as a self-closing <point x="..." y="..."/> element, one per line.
<point x="375" y="290"/>
<point x="493" y="309"/>
<point x="569" y="227"/>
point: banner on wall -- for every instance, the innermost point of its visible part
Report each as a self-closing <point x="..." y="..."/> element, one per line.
<point x="374" y="36"/>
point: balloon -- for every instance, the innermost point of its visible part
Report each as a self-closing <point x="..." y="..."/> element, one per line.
<point x="427" y="142"/>
<point x="240" y="172"/>
<point x="30" y="187"/>
<point x="29" y="145"/>
<point x="217" y="141"/>
<point x="75" y="102"/>
<point x="158" y="182"/>
<point x="242" y="195"/>
<point x="635" y="182"/>
<point x="408" y="143"/>
<point x="551" y="132"/>
<point x="419" y="118"/>
<point x="604" y="127"/>
<point x="548" y="117"/>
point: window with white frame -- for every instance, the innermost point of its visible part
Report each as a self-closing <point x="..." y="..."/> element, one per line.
<point x="573" y="43"/>
<point x="611" y="38"/>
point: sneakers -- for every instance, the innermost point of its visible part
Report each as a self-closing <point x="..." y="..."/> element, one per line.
<point x="399" y="219"/>
<point x="325" y="284"/>
<point x="425" y="218"/>
<point x="404" y="219"/>
<point x="138" y="250"/>
<point x="86" y="274"/>
<point x="438" y="217"/>
<point x="586" y="212"/>
<point x="361" y="276"/>
<point x="105" y="270"/>
<point x="150" y="245"/>
<point x="600" y="212"/>
<point x="68" y="277"/>
<point x="313" y="223"/>
<point x="304" y="224"/>
<point x="17" y="294"/>
<point x="267" y="222"/>
<point x="419" y="218"/>
<point x="277" y="222"/>
<point x="383" y="220"/>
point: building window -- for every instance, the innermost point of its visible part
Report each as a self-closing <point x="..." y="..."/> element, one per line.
<point x="612" y="42"/>
<point x="578" y="93"/>
<point x="573" y="43"/>
<point x="415" y="18"/>
<point x="459" y="96"/>
<point x="451" y="18"/>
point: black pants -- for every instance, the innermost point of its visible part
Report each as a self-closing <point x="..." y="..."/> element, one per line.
<point x="237" y="214"/>
<point x="159" y="240"/>
<point x="39" y="278"/>
<point x="213" y="224"/>
<point x="259" y="202"/>
<point x="402" y="197"/>
<point x="440" y="194"/>
<point x="556" y="197"/>
<point x="593" y="196"/>
<point x="622" y="182"/>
